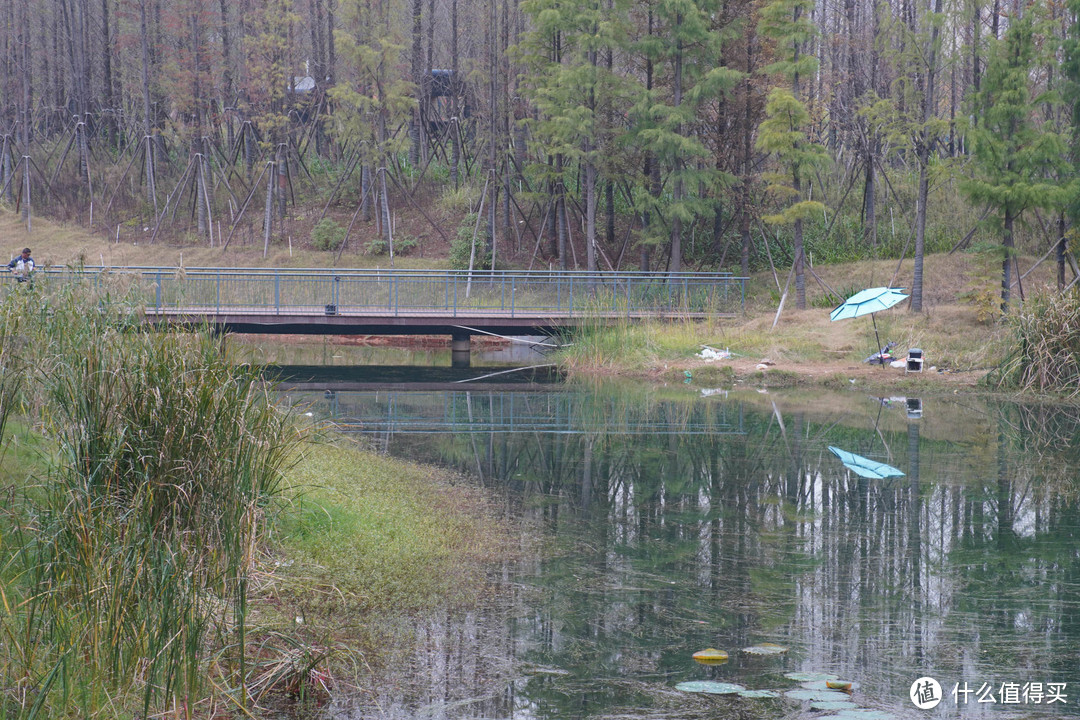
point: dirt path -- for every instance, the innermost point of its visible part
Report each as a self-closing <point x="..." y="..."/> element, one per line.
<point x="749" y="371"/>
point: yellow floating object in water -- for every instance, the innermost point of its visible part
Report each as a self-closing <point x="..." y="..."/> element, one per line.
<point x="838" y="684"/>
<point x="711" y="656"/>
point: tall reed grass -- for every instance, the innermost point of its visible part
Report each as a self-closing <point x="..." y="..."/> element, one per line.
<point x="127" y="554"/>
<point x="606" y="337"/>
<point x="1047" y="354"/>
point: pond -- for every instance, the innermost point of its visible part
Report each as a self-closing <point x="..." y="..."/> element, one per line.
<point x="877" y="541"/>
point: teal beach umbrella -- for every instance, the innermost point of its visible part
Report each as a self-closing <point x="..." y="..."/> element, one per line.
<point x="865" y="467"/>
<point x="868" y="302"/>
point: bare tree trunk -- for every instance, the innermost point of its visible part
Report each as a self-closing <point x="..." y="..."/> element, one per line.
<point x="590" y="210"/>
<point x="418" y="80"/>
<point x="26" y="193"/>
<point x="609" y="211"/>
<point x="552" y="228"/>
<point x="268" y="215"/>
<point x="54" y="82"/>
<point x="1009" y="241"/>
<point x="27" y="94"/>
<point x="148" y="127"/>
<point x="27" y="80"/>
<point x="1062" y="248"/>
<point x="248" y="142"/>
<point x="112" y="114"/>
<point x="560" y="218"/>
<point x="331" y="53"/>
<point x="650" y="168"/>
<point x="387" y="220"/>
<point x="976" y="41"/>
<point x="747" y="168"/>
<point x="455" y="128"/>
<point x="504" y="159"/>
<point x="797" y="229"/>
<point x="491" y="33"/>
<point x="6" y="170"/>
<point x="365" y="192"/>
<point x="7" y="56"/>
<point x="228" y="100"/>
<point x="429" y="65"/>
<point x="83" y="147"/>
<point x="282" y="182"/>
<point x="590" y="177"/>
<point x="677" y="191"/>
<point x="922" y="152"/>
<point x="201" y="199"/>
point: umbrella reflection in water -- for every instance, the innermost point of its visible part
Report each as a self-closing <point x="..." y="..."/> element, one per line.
<point x="865" y="467"/>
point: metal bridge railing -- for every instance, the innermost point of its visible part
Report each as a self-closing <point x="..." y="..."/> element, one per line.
<point x="437" y="292"/>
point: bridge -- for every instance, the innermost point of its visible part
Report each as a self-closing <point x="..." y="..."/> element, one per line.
<point x="418" y="302"/>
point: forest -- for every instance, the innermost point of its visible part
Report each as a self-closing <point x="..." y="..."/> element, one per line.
<point x="660" y="135"/>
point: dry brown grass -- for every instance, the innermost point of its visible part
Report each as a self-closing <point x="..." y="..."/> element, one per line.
<point x="59" y="244"/>
<point x="948" y="330"/>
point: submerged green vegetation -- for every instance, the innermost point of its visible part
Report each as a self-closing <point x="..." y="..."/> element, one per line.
<point x="147" y="478"/>
<point x="372" y="528"/>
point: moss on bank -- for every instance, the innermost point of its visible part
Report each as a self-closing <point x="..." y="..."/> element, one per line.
<point x="368" y="546"/>
<point x="379" y="534"/>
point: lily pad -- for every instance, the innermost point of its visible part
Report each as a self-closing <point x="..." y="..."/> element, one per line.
<point x="839" y="684"/>
<point x="833" y="705"/>
<point x="710" y="687"/>
<point x="817" y="696"/>
<point x="758" y="694"/>
<point x="711" y="656"/>
<point x="765" y="649"/>
<point x="810" y="676"/>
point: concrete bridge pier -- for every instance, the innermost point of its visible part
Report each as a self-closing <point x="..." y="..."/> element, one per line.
<point x="459" y="350"/>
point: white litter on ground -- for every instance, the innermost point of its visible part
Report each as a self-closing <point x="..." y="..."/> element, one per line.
<point x="709" y="354"/>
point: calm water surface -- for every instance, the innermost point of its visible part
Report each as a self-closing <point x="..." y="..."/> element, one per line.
<point x="664" y="521"/>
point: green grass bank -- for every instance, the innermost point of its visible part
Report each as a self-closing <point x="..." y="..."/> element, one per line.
<point x="173" y="543"/>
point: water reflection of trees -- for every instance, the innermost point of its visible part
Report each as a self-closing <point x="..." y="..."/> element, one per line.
<point x="966" y="567"/>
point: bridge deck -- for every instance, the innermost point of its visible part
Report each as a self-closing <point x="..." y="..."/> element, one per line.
<point x="332" y="301"/>
<point x="433" y="321"/>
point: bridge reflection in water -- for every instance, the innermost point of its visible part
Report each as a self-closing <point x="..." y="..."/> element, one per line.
<point x="386" y="413"/>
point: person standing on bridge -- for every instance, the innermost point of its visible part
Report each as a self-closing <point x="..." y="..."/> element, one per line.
<point x="22" y="266"/>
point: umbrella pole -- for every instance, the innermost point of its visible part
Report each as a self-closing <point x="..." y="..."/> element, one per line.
<point x="881" y="354"/>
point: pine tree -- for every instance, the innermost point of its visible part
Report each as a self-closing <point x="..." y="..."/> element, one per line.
<point x="688" y="44"/>
<point x="1014" y="156"/>
<point x="569" y="89"/>
<point x="371" y="94"/>
<point x="783" y="132"/>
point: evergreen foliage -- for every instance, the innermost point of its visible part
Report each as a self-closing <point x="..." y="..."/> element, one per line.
<point x="1015" y="158"/>
<point x="689" y="45"/>
<point x="782" y="133"/>
<point x="601" y="128"/>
